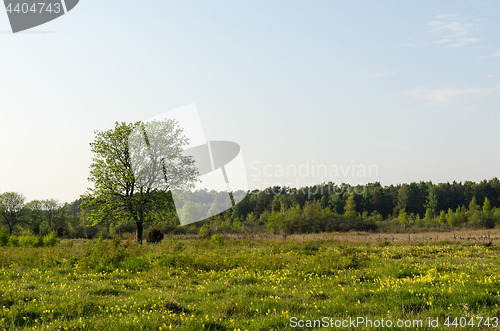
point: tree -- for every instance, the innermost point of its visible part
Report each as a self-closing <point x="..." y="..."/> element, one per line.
<point x="35" y="215"/>
<point x="403" y="218"/>
<point x="275" y="222"/>
<point x="336" y="204"/>
<point x="403" y="197"/>
<point x="429" y="215"/>
<point x="486" y="206"/>
<point x="350" y="208"/>
<point x="52" y="210"/>
<point x="432" y="199"/>
<point x="133" y="168"/>
<point x="451" y="218"/>
<point x="11" y="209"/>
<point x="441" y="219"/>
<point x="473" y="208"/>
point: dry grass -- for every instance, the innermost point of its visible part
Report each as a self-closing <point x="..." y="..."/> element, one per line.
<point x="484" y="235"/>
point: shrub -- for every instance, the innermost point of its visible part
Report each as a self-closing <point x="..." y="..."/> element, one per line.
<point x="38" y="241"/>
<point x="116" y="241"/>
<point x="4" y="237"/>
<point x="154" y="236"/>
<point x="217" y="240"/>
<point x="176" y="245"/>
<point x="100" y="240"/>
<point x="205" y="232"/>
<point x="50" y="239"/>
<point x="60" y="232"/>
<point x="25" y="241"/>
<point x="13" y="241"/>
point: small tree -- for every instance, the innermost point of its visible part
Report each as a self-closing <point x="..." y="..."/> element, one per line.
<point x="487" y="206"/>
<point x="441" y="219"/>
<point x="350" y="208"/>
<point x="403" y="218"/>
<point x="429" y="215"/>
<point x="473" y="207"/>
<point x="205" y="231"/>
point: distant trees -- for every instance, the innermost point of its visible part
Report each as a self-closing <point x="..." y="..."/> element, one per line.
<point x="36" y="215"/>
<point x="280" y="210"/>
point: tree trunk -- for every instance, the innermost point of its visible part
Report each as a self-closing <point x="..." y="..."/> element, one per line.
<point x="138" y="232"/>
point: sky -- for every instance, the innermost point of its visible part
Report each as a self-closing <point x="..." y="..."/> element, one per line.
<point x="398" y="91"/>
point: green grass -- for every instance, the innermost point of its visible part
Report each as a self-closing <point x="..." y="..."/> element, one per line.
<point x="245" y="285"/>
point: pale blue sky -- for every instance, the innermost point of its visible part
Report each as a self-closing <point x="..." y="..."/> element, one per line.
<point x="411" y="87"/>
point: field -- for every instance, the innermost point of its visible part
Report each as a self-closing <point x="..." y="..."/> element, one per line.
<point x="236" y="284"/>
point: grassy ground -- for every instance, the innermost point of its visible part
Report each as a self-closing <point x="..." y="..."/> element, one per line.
<point x="249" y="285"/>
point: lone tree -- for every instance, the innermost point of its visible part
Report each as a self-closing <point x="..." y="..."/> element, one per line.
<point x="133" y="168"/>
<point x="11" y="209"/>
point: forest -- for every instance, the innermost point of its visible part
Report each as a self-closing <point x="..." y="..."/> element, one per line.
<point x="327" y="207"/>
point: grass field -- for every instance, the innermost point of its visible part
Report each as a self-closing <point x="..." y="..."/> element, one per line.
<point x="250" y="285"/>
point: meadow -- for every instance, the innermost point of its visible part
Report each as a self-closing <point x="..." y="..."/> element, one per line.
<point x="235" y="284"/>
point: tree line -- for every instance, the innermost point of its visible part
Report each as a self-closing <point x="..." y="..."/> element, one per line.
<point x="283" y="210"/>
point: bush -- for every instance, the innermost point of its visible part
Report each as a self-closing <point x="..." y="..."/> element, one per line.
<point x="116" y="241"/>
<point x="38" y="241"/>
<point x="60" y="231"/>
<point x="205" y="232"/>
<point x="50" y="239"/>
<point x="154" y="236"/>
<point x="217" y="240"/>
<point x="100" y="239"/>
<point x="25" y="241"/>
<point x="4" y="237"/>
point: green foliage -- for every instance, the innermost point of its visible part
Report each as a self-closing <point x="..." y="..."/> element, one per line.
<point x="275" y="222"/>
<point x="205" y="232"/>
<point x="442" y="217"/>
<point x="13" y="241"/>
<point x="100" y="239"/>
<point x="473" y="207"/>
<point x="451" y="218"/>
<point x="403" y="218"/>
<point x="429" y="215"/>
<point x="25" y="241"/>
<point x="11" y="209"/>
<point x="37" y="241"/>
<point x="486" y="206"/>
<point x="350" y="208"/>
<point x="336" y="204"/>
<point x="4" y="237"/>
<point x="217" y="240"/>
<point x="50" y="239"/>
